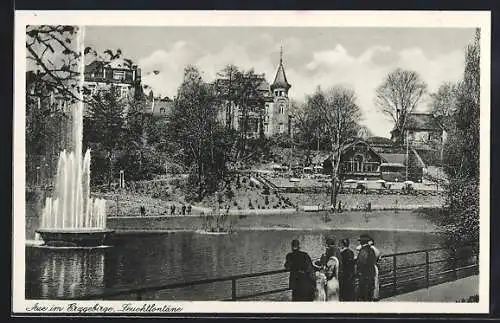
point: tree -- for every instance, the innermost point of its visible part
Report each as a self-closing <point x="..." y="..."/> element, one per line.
<point x="105" y="123"/>
<point x="444" y="103"/>
<point x="193" y="128"/>
<point x="55" y="52"/>
<point x="461" y="152"/>
<point x="397" y="96"/>
<point x="226" y="87"/>
<point x="340" y="115"/>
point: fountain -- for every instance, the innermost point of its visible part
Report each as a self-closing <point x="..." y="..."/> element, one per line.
<point x="71" y="217"/>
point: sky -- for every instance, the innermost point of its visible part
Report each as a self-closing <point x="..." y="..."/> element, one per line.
<point x="358" y="58"/>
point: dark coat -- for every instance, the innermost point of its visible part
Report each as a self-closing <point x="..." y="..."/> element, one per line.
<point x="348" y="264"/>
<point x="366" y="272"/>
<point x="301" y="275"/>
<point x="347" y="275"/>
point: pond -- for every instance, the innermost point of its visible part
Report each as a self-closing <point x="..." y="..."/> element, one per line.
<point x="152" y="259"/>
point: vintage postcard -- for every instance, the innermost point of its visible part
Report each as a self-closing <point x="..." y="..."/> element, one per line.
<point x="251" y="162"/>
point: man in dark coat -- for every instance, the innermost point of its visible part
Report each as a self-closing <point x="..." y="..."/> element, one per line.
<point x="365" y="267"/>
<point x="347" y="274"/>
<point x="301" y="274"/>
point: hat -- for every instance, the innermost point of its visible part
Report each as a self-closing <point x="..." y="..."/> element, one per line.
<point x="295" y="244"/>
<point x="317" y="264"/>
<point x="364" y="238"/>
<point x="330" y="240"/>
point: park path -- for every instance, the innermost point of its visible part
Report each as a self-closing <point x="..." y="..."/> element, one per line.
<point x="446" y="292"/>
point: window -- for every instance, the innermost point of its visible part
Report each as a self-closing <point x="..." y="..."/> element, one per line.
<point x="118" y="75"/>
<point x="282" y="108"/>
<point x="124" y="91"/>
<point x="282" y="128"/>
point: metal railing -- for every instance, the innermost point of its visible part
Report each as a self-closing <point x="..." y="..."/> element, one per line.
<point x="397" y="273"/>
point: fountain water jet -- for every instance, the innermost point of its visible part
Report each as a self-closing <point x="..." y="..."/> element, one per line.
<point x="71" y="216"/>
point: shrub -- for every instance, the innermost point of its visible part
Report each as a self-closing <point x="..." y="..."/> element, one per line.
<point x="229" y="193"/>
<point x="235" y="203"/>
<point x="470" y="299"/>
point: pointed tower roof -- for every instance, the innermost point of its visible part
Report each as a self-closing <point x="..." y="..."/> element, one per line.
<point x="280" y="80"/>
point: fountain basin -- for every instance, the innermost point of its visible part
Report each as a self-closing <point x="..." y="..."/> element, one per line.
<point x="91" y="237"/>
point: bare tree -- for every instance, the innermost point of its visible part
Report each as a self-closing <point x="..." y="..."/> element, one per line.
<point x="340" y="115"/>
<point x="53" y="51"/>
<point x="444" y="103"/>
<point x="398" y="95"/>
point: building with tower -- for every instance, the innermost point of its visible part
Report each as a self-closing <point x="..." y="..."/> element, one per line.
<point x="277" y="116"/>
<point x="270" y="114"/>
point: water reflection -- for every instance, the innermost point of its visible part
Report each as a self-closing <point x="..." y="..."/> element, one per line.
<point x="64" y="273"/>
<point x="149" y="259"/>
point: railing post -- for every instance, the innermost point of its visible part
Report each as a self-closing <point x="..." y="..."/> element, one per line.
<point x="394" y="276"/>
<point x="427" y="269"/>
<point x="233" y="289"/>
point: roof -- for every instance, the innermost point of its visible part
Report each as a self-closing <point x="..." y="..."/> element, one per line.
<point x="118" y="63"/>
<point x="392" y="164"/>
<point x="263" y="86"/>
<point x="379" y="141"/>
<point x="394" y="158"/>
<point x="92" y="66"/>
<point x="422" y="121"/>
<point x="280" y="80"/>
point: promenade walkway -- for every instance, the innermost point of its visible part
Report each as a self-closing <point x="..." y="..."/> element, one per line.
<point x="445" y="292"/>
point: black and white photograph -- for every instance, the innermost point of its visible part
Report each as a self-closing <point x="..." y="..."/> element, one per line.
<point x="169" y="162"/>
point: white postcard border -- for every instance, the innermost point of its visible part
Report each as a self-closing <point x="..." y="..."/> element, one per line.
<point x="481" y="19"/>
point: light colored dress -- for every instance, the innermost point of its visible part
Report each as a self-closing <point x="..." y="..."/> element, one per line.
<point x="332" y="281"/>
<point x="320" y="293"/>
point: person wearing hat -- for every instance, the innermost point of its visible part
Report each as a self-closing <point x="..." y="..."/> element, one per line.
<point x="301" y="280"/>
<point x="330" y="250"/>
<point x="331" y="262"/>
<point x="365" y="268"/>
<point x="347" y="274"/>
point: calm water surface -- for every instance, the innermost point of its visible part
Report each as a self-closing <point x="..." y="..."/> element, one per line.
<point x="144" y="260"/>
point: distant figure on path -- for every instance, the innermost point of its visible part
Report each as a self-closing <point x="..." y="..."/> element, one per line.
<point x="183" y="209"/>
<point x="172" y="209"/>
<point x="347" y="274"/>
<point x="143" y="210"/>
<point x="340" y="207"/>
<point x="189" y="209"/>
<point x="365" y="264"/>
<point x="301" y="280"/>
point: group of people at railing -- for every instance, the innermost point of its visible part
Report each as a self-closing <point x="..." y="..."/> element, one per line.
<point x="333" y="277"/>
